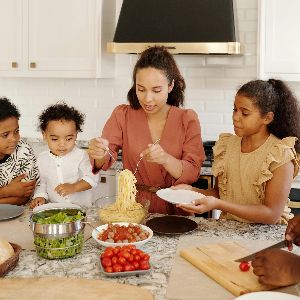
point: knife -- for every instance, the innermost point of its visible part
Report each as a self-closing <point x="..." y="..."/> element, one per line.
<point x="250" y="257"/>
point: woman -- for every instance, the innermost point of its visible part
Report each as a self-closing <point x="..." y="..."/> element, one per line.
<point x="153" y="127"/>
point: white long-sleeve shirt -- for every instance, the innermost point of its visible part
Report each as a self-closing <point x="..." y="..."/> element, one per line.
<point x="70" y="168"/>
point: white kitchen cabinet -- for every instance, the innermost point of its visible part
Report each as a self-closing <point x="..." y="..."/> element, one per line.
<point x="279" y="43"/>
<point x="10" y="35"/>
<point x="55" y="38"/>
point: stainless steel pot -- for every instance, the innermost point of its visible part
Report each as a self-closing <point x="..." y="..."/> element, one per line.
<point x="57" y="230"/>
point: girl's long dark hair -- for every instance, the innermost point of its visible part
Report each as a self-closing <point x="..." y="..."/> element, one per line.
<point x="158" y="57"/>
<point x="275" y="96"/>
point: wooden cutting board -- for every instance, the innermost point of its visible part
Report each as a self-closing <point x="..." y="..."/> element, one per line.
<point x="69" y="289"/>
<point x="217" y="261"/>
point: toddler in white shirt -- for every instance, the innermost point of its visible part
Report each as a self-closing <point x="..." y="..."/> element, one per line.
<point x="65" y="170"/>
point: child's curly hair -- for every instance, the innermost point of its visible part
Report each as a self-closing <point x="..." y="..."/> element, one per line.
<point x="8" y="110"/>
<point x="61" y="111"/>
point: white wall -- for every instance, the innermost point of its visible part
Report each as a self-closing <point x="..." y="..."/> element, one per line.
<point x="211" y="85"/>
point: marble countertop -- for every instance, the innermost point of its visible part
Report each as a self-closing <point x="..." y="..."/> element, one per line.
<point x="162" y="249"/>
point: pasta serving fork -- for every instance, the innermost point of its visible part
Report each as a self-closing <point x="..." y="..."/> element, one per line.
<point x="137" y="165"/>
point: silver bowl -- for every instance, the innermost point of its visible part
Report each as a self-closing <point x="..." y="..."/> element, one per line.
<point x="57" y="230"/>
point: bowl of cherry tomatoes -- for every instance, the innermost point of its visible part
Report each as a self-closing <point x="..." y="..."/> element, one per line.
<point x="122" y="233"/>
<point x="124" y="261"/>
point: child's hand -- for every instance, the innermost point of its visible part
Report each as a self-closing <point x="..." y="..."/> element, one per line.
<point x="65" y="189"/>
<point x="200" y="206"/>
<point x="37" y="202"/>
<point x="17" y="188"/>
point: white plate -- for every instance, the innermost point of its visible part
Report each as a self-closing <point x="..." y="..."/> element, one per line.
<point x="178" y="196"/>
<point x="95" y="234"/>
<point x="9" y="211"/>
<point x="267" y="296"/>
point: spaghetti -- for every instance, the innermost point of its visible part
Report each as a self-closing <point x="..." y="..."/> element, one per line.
<point x="125" y="209"/>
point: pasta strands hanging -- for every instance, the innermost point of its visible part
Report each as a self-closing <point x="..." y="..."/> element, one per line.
<point x="125" y="209"/>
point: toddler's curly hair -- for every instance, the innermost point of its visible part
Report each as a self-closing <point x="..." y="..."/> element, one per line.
<point x="61" y="111"/>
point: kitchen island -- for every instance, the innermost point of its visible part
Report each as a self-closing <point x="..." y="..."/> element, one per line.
<point x="162" y="249"/>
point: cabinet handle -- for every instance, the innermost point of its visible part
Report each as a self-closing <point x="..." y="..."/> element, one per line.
<point x="14" y="64"/>
<point x="33" y="65"/>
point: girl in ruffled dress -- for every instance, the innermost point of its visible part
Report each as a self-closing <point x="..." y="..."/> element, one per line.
<point x="254" y="168"/>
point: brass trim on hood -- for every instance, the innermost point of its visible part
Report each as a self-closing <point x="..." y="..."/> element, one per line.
<point x="230" y="48"/>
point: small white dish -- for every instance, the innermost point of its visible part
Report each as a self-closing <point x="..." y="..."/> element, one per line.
<point x="96" y="232"/>
<point x="267" y="296"/>
<point x="178" y="196"/>
<point x="53" y="205"/>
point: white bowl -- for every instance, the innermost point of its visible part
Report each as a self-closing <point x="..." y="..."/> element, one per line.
<point x="267" y="296"/>
<point x="96" y="232"/>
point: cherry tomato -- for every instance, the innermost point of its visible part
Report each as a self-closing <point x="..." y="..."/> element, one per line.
<point x="144" y="265"/>
<point x="122" y="260"/>
<point x="146" y="256"/>
<point x="137" y="258"/>
<point x="116" y="250"/>
<point x="133" y="251"/>
<point x="108" y="269"/>
<point x="130" y="258"/>
<point x="108" y="253"/>
<point x="244" y="266"/>
<point x="128" y="268"/>
<point x="114" y="260"/>
<point x="106" y="262"/>
<point x="126" y="254"/>
<point x="136" y="265"/>
<point x="117" y="268"/>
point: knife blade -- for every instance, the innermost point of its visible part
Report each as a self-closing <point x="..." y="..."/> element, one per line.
<point x="281" y="244"/>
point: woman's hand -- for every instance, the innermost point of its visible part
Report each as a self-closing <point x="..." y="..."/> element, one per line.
<point x="98" y="148"/>
<point x="182" y="186"/>
<point x="276" y="267"/>
<point x="37" y="202"/>
<point x="201" y="206"/>
<point x="155" y="154"/>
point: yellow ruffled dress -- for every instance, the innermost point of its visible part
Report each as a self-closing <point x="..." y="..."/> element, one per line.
<point x="242" y="177"/>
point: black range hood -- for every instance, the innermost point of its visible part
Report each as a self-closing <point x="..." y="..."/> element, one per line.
<point x="184" y="26"/>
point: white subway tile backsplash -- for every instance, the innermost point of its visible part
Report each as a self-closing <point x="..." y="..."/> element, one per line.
<point x="224" y="61"/>
<point x="205" y="72"/>
<point x="247" y="25"/>
<point x="250" y="37"/>
<point x="251" y="15"/>
<point x="246" y="3"/>
<point x="247" y="72"/>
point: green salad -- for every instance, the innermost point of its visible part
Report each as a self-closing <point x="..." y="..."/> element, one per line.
<point x="56" y="247"/>
<point x="60" y="247"/>
<point x="59" y="218"/>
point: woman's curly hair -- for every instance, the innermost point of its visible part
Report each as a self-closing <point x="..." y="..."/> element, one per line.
<point x="8" y="110"/>
<point x="61" y="111"/>
<point x="275" y="96"/>
<point x="158" y="57"/>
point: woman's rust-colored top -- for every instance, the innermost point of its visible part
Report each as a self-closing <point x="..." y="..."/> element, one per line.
<point x="128" y="129"/>
<point x="242" y="177"/>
